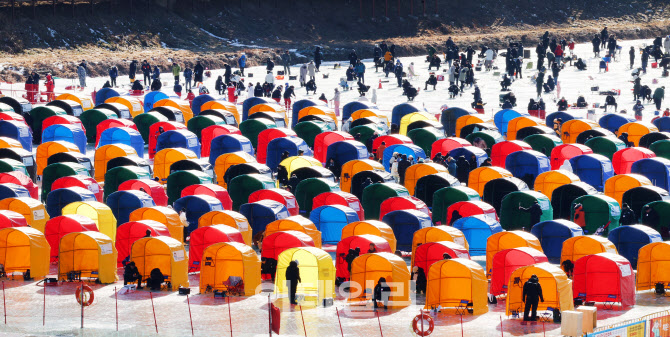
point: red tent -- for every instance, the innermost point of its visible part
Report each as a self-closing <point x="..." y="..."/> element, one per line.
<point x="212" y="190"/>
<point x="390" y="140"/>
<point x="623" y="160"/>
<point x="507" y="261"/>
<point x="406" y="202"/>
<point x="322" y="140"/>
<point x="431" y="252"/>
<point x="153" y="133"/>
<point x="279" y="195"/>
<point x="445" y="145"/>
<point x="468" y="208"/>
<point x="56" y="228"/>
<point x="275" y="243"/>
<point x="12" y="219"/>
<point x="112" y="123"/>
<point x="500" y="151"/>
<point x="203" y="237"/>
<point x="264" y="138"/>
<point x="564" y="152"/>
<point x="211" y="132"/>
<point x="9" y="116"/>
<point x="62" y="119"/>
<point x="604" y="277"/>
<point x="19" y="178"/>
<point x="362" y="242"/>
<point x="80" y="181"/>
<point x="132" y="231"/>
<point x="339" y="198"/>
<point x="150" y="187"/>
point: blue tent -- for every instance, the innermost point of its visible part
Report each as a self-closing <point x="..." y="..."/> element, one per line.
<point x="104" y="94"/>
<point x="178" y="139"/>
<point x="151" y="98"/>
<point x="477" y="229"/>
<point x="9" y="190"/>
<point x="123" y="135"/>
<point x="253" y="101"/>
<point x="656" y="169"/>
<point x="351" y="107"/>
<point x="613" y="122"/>
<point x="196" y="206"/>
<point x="289" y="144"/>
<point x="402" y="109"/>
<point x="345" y="151"/>
<point x="663" y="124"/>
<point x="407" y="149"/>
<point x="593" y="169"/>
<point x="301" y="104"/>
<point x="19" y="131"/>
<point x="468" y="151"/>
<point x="404" y="223"/>
<point x="502" y="118"/>
<point x="198" y="101"/>
<point x="629" y="239"/>
<point x="227" y="144"/>
<point x="261" y="213"/>
<point x="57" y="199"/>
<point x="527" y="165"/>
<point x="330" y="220"/>
<point x="69" y="133"/>
<point x="552" y="234"/>
<point x="448" y="120"/>
<point x="564" y="116"/>
<point x="123" y="203"/>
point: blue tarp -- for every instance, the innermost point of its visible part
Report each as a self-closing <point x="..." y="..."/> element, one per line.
<point x="656" y="169"/>
<point x="593" y="169"/>
<point x="69" y="133"/>
<point x="613" y="122"/>
<point x="301" y="104"/>
<point x="477" y="229"/>
<point x="153" y="97"/>
<point x="228" y="144"/>
<point x="402" y="109"/>
<point x="663" y="124"/>
<point x="404" y="223"/>
<point x="629" y="239"/>
<point x="407" y="149"/>
<point x="19" y="131"/>
<point x="261" y="213"/>
<point x="351" y="107"/>
<point x="253" y="101"/>
<point x="564" y="116"/>
<point x="502" y="118"/>
<point x="9" y="190"/>
<point x="345" y="151"/>
<point x="468" y="151"/>
<point x="57" y="199"/>
<point x="103" y="94"/>
<point x="198" y="101"/>
<point x="123" y="135"/>
<point x="123" y="203"/>
<point x="289" y="144"/>
<point x="331" y="219"/>
<point x="448" y="120"/>
<point x="552" y="234"/>
<point x="180" y="138"/>
<point x="196" y="206"/>
<point x="527" y="165"/>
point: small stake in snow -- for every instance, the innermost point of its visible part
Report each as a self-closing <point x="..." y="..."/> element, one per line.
<point x="338" y="321"/>
<point x="116" y="301"/>
<point x="189" y="314"/>
<point x="303" y="321"/>
<point x="154" y="310"/>
<point x="4" y="303"/>
<point x="380" y="323"/>
<point x="230" y="317"/>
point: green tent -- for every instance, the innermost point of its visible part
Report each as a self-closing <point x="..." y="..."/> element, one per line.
<point x="38" y="115"/>
<point x="543" y="143"/>
<point x="144" y="121"/>
<point x="366" y="131"/>
<point x="605" y="145"/>
<point x="252" y="127"/>
<point x="511" y="217"/>
<point x="425" y="137"/>
<point x="198" y="123"/>
<point x="309" y="129"/>
<point x="179" y="180"/>
<point x="92" y="117"/>
<point x="10" y="165"/>
<point x="491" y="137"/>
<point x="375" y="194"/>
<point x="309" y="188"/>
<point x="58" y="170"/>
<point x="119" y="174"/>
<point x="447" y="196"/>
<point x="661" y="148"/>
<point x="598" y="210"/>
<point x="660" y="222"/>
<point x="241" y="187"/>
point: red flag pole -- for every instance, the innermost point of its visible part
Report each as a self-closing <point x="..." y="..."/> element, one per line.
<point x="81" y="297"/>
<point x="303" y="321"/>
<point x="501" y="328"/>
<point x="270" y="315"/>
<point x="230" y="318"/>
<point x="116" y="300"/>
<point x="189" y="314"/>
<point x="154" y="310"/>
<point x="44" y="306"/>
<point x="461" y="325"/>
<point x="544" y="332"/>
<point x="4" y="303"/>
<point x="380" y="324"/>
<point x="338" y="321"/>
<point x="421" y="315"/>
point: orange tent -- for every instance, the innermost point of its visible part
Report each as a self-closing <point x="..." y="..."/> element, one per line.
<point x="547" y="182"/>
<point x="482" y="175"/>
<point x="508" y="240"/>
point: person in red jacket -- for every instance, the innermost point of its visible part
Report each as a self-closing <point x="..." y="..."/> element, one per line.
<point x="559" y="54"/>
<point x="571" y="47"/>
<point x="190" y="96"/>
<point x="232" y="98"/>
<point x="49" y="83"/>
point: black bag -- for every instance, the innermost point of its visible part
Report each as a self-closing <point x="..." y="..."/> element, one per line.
<point x="557" y="316"/>
<point x="493" y="299"/>
<point x="660" y="288"/>
<point x="280" y="72"/>
<point x="184" y="291"/>
<point x="327" y="302"/>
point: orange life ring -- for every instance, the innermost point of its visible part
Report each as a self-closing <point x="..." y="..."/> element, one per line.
<point x="88" y="295"/>
<point x="427" y="330"/>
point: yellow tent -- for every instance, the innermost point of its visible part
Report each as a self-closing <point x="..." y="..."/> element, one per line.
<point x="46" y="150"/>
<point x="519" y="123"/>
<point x="373" y="227"/>
<point x="547" y="182"/>
<point x="482" y="175"/>
<point x="556" y="288"/>
<point x="100" y="213"/>
<point x="107" y="152"/>
<point x="133" y="104"/>
<point x="508" y="240"/>
<point x="636" y="130"/>
<point x="293" y="163"/>
<point x="616" y="186"/>
<point x="24" y="248"/>
<point x="577" y="247"/>
<point x="318" y="110"/>
<point x="653" y="265"/>
<point x="228" y="218"/>
<point x="166" y="216"/>
<point x="408" y="119"/>
<point x="34" y="211"/>
<point x="230" y="107"/>
<point x="164" y="253"/>
<point x="166" y="157"/>
<point x="6" y="142"/>
<point x="317" y="273"/>
<point x="368" y="268"/>
<point x="572" y="128"/>
<point x="454" y="280"/>
<point x="85" y="102"/>
<point x="93" y="254"/>
<point x="226" y="160"/>
<point x="416" y="171"/>
<point x="183" y="106"/>
<point x="295" y="223"/>
<point x="466" y="120"/>
<point x="370" y="113"/>
<point x="225" y="259"/>
<point x="350" y="168"/>
<point x="436" y="234"/>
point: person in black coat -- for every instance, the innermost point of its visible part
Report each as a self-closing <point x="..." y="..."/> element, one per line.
<point x="293" y="182"/>
<point x="156" y="279"/>
<point x="398" y="73"/>
<point x="318" y="58"/>
<point x="631" y="54"/>
<point x="132" y="274"/>
<point x="353" y="57"/>
<point x="132" y="70"/>
<point x="227" y="73"/>
<point x="455" y="215"/>
<point x="258" y="90"/>
<point x="292" y="279"/>
<point x="269" y="65"/>
<point x="381" y="293"/>
<point x="402" y="168"/>
<point x="535" y="212"/>
<point x="421" y="281"/>
<point x="596" y="45"/>
<point x="627" y="216"/>
<point x="198" y="71"/>
<point x="463" y="170"/>
<point x="156" y="85"/>
<point x="532" y="294"/>
<point x="432" y="80"/>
